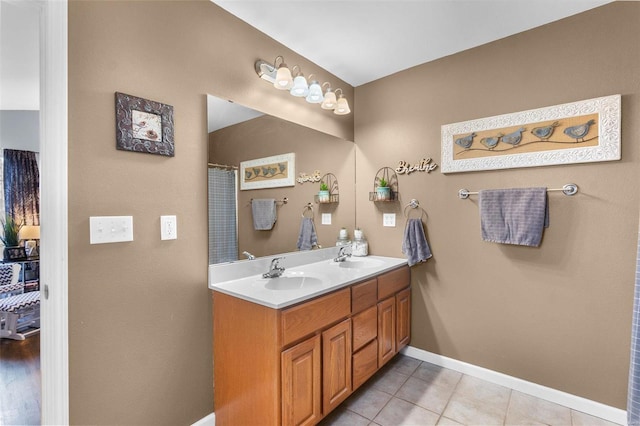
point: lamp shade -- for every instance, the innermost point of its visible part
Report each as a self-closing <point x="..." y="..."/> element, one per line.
<point x="300" y="87"/>
<point x="283" y="78"/>
<point x="329" y="101"/>
<point x="342" y="107"/>
<point x="315" y="93"/>
<point x="29" y="232"/>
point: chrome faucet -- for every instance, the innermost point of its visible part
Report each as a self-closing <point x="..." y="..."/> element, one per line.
<point x="249" y="255"/>
<point x="275" y="270"/>
<point x="342" y="255"/>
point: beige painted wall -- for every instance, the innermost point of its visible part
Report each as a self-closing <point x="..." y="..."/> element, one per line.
<point x="558" y="315"/>
<point x="266" y="136"/>
<point x="140" y="312"/>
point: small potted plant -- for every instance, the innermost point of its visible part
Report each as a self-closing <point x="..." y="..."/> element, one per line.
<point x="323" y="194"/>
<point x="9" y="237"/>
<point x="383" y="191"/>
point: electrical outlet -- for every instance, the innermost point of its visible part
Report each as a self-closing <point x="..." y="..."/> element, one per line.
<point x="389" y="219"/>
<point x="326" y="218"/>
<point x="110" y="229"/>
<point x="168" y="228"/>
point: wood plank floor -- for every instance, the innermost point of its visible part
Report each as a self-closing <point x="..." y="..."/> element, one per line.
<point x="20" y="381"/>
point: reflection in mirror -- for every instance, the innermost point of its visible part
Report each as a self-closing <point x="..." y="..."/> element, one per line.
<point x="238" y="134"/>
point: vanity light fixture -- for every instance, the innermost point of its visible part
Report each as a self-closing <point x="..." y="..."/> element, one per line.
<point x="281" y="77"/>
<point x="342" y="106"/>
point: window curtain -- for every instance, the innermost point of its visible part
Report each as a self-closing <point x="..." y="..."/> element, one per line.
<point x="21" y="186"/>
<point x="223" y="228"/>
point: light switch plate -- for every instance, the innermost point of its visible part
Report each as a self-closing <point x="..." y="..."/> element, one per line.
<point x="168" y="227"/>
<point x="326" y="218"/>
<point x="110" y="229"/>
<point x="389" y="219"/>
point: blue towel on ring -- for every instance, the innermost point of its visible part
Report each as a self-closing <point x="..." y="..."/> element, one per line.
<point x="514" y="216"/>
<point x="307" y="237"/>
<point x="415" y="245"/>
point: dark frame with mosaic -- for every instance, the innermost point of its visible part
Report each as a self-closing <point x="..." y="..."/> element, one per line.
<point x="144" y="126"/>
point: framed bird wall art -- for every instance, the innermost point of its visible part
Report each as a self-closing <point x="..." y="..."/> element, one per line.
<point x="577" y="132"/>
<point x="268" y="172"/>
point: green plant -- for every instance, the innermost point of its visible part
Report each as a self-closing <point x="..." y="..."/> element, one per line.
<point x="323" y="186"/>
<point x="383" y="183"/>
<point x="10" y="235"/>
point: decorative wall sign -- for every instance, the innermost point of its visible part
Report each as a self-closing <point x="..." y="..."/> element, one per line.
<point x="424" y="165"/>
<point x="314" y="177"/>
<point x="144" y="126"/>
<point x="577" y="132"/>
<point x="268" y="172"/>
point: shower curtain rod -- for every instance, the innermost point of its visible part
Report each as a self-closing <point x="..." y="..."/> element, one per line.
<point x="222" y="166"/>
<point x="568" y="189"/>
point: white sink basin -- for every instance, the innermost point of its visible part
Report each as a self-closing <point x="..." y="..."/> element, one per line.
<point x="292" y="281"/>
<point x="360" y="263"/>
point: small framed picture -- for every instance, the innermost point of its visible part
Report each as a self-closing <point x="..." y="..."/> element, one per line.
<point x="14" y="253"/>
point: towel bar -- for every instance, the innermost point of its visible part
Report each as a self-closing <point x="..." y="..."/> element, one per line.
<point x="568" y="189"/>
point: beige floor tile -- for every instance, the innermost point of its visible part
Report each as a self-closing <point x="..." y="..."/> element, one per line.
<point x="478" y="402"/>
<point x="437" y="375"/>
<point x="388" y="380"/>
<point x="398" y="413"/>
<point x="444" y="421"/>
<point x="367" y="402"/>
<point x="344" y="417"/>
<point x="582" y="419"/>
<point x="427" y="395"/>
<point x="527" y="409"/>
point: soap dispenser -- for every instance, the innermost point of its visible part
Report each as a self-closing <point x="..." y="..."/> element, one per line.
<point x="343" y="237"/>
<point x="360" y="246"/>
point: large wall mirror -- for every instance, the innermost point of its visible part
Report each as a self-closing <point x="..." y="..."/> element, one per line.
<point x="238" y="134"/>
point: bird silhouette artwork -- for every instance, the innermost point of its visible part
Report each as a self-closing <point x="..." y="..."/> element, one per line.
<point x="492" y="141"/>
<point x="466" y="141"/>
<point x="513" y="138"/>
<point x="545" y="132"/>
<point x="580" y="131"/>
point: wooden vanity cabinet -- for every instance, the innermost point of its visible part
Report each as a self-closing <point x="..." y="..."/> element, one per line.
<point x="295" y="365"/>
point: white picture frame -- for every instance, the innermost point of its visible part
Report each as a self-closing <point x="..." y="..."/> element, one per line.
<point x="268" y="172"/>
<point x="607" y="109"/>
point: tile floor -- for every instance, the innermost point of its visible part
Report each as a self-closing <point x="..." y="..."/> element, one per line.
<point x="411" y="392"/>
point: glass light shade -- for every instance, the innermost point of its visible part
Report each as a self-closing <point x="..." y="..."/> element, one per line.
<point x="315" y="93"/>
<point x="300" y="87"/>
<point x="283" y="78"/>
<point x="329" y="100"/>
<point x="342" y="108"/>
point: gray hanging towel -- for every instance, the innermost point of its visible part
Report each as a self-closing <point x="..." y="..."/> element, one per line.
<point x="307" y="237"/>
<point x="514" y="216"/>
<point x="415" y="245"/>
<point x="264" y="213"/>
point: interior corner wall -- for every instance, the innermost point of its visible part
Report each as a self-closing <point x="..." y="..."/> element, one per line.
<point x="558" y="315"/>
<point x="140" y="344"/>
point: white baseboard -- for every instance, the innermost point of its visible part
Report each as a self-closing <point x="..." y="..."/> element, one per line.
<point x="209" y="420"/>
<point x="574" y="402"/>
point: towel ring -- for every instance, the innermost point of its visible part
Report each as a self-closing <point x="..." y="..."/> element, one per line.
<point x="414" y="204"/>
<point x="307" y="208"/>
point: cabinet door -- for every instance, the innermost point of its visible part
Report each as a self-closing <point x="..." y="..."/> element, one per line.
<point x="301" y="377"/>
<point x="386" y="330"/>
<point x="403" y="319"/>
<point x="336" y="364"/>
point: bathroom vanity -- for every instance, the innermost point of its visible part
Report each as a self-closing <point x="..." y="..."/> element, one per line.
<point x="279" y="362"/>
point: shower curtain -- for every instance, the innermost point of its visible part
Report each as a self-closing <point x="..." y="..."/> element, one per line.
<point x="223" y="228"/>
<point x="633" y="398"/>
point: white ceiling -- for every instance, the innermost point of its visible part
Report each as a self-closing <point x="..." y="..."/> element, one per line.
<point x="363" y="40"/>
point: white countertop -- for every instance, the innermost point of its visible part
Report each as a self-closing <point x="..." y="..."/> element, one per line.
<point x="302" y="282"/>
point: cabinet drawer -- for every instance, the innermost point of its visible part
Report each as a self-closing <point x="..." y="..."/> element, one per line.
<point x="364" y="295"/>
<point x="392" y="282"/>
<point x="365" y="327"/>
<point x="312" y="316"/>
<point x="365" y="363"/>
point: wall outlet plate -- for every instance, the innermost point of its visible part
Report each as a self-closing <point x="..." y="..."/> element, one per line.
<point x="168" y="227"/>
<point x="110" y="229"/>
<point x="389" y="219"/>
<point x="326" y="218"/>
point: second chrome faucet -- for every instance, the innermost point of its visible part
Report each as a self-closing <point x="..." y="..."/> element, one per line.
<point x="275" y="270"/>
